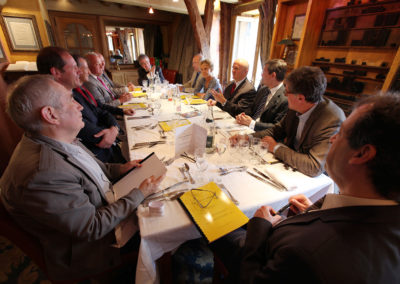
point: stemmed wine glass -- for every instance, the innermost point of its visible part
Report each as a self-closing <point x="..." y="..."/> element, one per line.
<point x="201" y="163"/>
<point x="145" y="84"/>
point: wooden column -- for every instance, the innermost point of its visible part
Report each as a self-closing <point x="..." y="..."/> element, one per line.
<point x="198" y="27"/>
<point x="225" y="39"/>
<point x="208" y="17"/>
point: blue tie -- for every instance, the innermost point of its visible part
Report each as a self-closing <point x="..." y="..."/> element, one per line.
<point x="195" y="79"/>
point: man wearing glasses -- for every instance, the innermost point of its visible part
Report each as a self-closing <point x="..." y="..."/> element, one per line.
<point x="301" y="138"/>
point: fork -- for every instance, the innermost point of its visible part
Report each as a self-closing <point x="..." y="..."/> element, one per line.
<point x="224" y="172"/>
<point x="234" y="200"/>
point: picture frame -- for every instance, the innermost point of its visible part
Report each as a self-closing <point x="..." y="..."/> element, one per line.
<point x="21" y="31"/>
<point x="298" y="24"/>
<point x="3" y="55"/>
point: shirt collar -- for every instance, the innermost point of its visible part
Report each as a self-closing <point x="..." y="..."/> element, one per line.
<point x="338" y="200"/>
<point x="306" y="115"/>
<point x="274" y="89"/>
<point x="239" y="82"/>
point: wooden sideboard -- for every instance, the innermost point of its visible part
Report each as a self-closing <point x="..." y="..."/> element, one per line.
<point x="123" y="77"/>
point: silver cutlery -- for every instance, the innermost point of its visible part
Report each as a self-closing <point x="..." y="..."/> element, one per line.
<point x="234" y="200"/>
<point x="147" y="144"/>
<point x="187" y="168"/>
<point x="182" y="172"/>
<point x="165" y="189"/>
<point x="269" y="176"/>
<point x="138" y="117"/>
<point x="265" y="180"/>
<point x="162" y="134"/>
<point x="224" y="172"/>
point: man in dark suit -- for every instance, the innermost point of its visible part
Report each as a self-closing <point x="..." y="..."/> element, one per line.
<point x="270" y="104"/>
<point x="148" y="72"/>
<point x="56" y="190"/>
<point x="239" y="94"/>
<point x="301" y="138"/>
<point x="343" y="235"/>
<point x="101" y="134"/>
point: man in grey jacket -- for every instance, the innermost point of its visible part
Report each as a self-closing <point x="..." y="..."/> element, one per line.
<point x="56" y="190"/>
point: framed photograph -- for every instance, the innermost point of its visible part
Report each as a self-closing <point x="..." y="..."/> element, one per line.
<point x="22" y="32"/>
<point x="3" y="57"/>
<point x="298" y="24"/>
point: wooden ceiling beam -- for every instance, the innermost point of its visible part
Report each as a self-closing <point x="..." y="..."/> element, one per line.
<point x="198" y="27"/>
<point x="208" y="18"/>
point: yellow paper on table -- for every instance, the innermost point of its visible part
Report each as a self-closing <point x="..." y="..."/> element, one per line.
<point x="172" y="124"/>
<point x="193" y="97"/>
<point x="212" y="211"/>
<point x="137" y="89"/>
<point x="138" y="94"/>
<point x="195" y="102"/>
<point x="134" y="106"/>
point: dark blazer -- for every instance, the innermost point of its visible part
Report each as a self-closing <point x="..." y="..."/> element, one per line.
<point x="274" y="112"/>
<point x="314" y="144"/>
<point x="55" y="198"/>
<point x="97" y="119"/>
<point x="241" y="98"/>
<point x="143" y="75"/>
<point x="357" y="244"/>
<point x="100" y="93"/>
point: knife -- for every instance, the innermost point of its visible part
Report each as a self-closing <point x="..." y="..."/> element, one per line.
<point x="138" y="117"/>
<point x="278" y="184"/>
<point x="275" y="180"/>
<point x="264" y="180"/>
<point x="167" y="188"/>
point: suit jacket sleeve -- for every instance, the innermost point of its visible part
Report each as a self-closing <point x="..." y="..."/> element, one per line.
<point x="111" y="109"/>
<point x="74" y="215"/>
<point x="160" y="74"/>
<point x="98" y="94"/>
<point x="261" y="265"/>
<point x="245" y="102"/>
<point x="280" y="113"/>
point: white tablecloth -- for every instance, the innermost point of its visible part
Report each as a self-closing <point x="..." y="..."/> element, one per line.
<point x="163" y="234"/>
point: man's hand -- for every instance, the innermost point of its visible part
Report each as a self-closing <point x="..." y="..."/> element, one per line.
<point x="270" y="141"/>
<point x="150" y="185"/>
<point x="129" y="111"/>
<point x="109" y="135"/>
<point x="125" y="97"/>
<point x="235" y="139"/>
<point x="201" y="95"/>
<point x="218" y="96"/>
<point x="129" y="165"/>
<point x="131" y="87"/>
<point x="299" y="203"/>
<point x="267" y="213"/>
<point x="243" y="119"/>
<point x="211" y="102"/>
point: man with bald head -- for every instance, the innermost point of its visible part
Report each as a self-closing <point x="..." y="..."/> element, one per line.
<point x="196" y="76"/>
<point x="239" y="94"/>
<point x="98" y="87"/>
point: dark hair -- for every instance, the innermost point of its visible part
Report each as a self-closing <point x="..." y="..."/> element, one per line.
<point x="76" y="57"/>
<point x="308" y="81"/>
<point x="278" y="66"/>
<point x="378" y="127"/>
<point x="50" y="57"/>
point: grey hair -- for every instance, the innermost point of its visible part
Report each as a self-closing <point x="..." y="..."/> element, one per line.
<point x="27" y="96"/>
<point x="90" y="56"/>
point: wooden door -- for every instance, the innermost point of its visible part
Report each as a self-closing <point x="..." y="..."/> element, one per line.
<point x="77" y="33"/>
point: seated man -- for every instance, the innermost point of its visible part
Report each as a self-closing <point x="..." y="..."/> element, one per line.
<point x="305" y="130"/>
<point x="99" y="135"/>
<point x="190" y="86"/>
<point x="343" y="234"/>
<point x="146" y="71"/>
<point x="270" y="104"/>
<point x="116" y="88"/>
<point x="56" y="190"/>
<point x="98" y="87"/>
<point x="239" y="94"/>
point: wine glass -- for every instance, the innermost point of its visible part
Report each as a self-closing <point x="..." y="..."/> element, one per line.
<point x="157" y="107"/>
<point x="201" y="163"/>
<point x="220" y="146"/>
<point x="145" y="84"/>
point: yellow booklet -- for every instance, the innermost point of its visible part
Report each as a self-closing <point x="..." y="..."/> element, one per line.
<point x="193" y="97"/>
<point x="212" y="211"/>
<point x="172" y="124"/>
<point x="138" y="94"/>
<point x="134" y="106"/>
<point x="195" y="102"/>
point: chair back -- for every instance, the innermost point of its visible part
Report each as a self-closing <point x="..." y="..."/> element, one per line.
<point x="29" y="244"/>
<point x="170" y="75"/>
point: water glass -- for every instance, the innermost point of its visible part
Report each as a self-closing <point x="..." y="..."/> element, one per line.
<point x="145" y="84"/>
<point x="221" y="146"/>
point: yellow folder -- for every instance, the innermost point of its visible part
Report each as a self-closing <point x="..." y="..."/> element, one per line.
<point x="138" y="94"/>
<point x="172" y="124"/>
<point x="212" y="211"/>
<point x="134" y="106"/>
<point x="195" y="102"/>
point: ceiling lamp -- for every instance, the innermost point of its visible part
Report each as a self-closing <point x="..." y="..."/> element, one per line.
<point x="151" y="11"/>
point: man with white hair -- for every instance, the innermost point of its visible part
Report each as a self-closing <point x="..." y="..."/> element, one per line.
<point x="190" y="85"/>
<point x="239" y="94"/>
<point x="56" y="190"/>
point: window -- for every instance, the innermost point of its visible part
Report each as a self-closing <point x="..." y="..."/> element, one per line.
<point x="245" y="43"/>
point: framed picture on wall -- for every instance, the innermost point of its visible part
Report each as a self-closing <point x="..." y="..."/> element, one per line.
<point x="298" y="24"/>
<point x="3" y="57"/>
<point x="22" y="32"/>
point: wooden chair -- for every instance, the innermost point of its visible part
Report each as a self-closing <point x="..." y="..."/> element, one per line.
<point x="170" y="75"/>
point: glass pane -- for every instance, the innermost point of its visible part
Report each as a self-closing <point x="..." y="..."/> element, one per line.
<point x="70" y="37"/>
<point x="85" y="36"/>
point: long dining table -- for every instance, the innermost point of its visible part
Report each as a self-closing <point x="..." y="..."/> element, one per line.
<point x="161" y="234"/>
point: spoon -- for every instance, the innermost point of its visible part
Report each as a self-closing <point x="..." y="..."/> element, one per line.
<point x="187" y="170"/>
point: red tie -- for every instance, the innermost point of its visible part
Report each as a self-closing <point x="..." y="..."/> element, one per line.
<point x="82" y="92"/>
<point x="233" y="87"/>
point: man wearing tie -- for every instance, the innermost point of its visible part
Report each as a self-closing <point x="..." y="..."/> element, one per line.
<point x="270" y="104"/>
<point x="239" y="94"/>
<point x="98" y="87"/>
<point x="196" y="76"/>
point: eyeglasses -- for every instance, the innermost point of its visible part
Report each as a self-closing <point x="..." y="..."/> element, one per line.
<point x="201" y="200"/>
